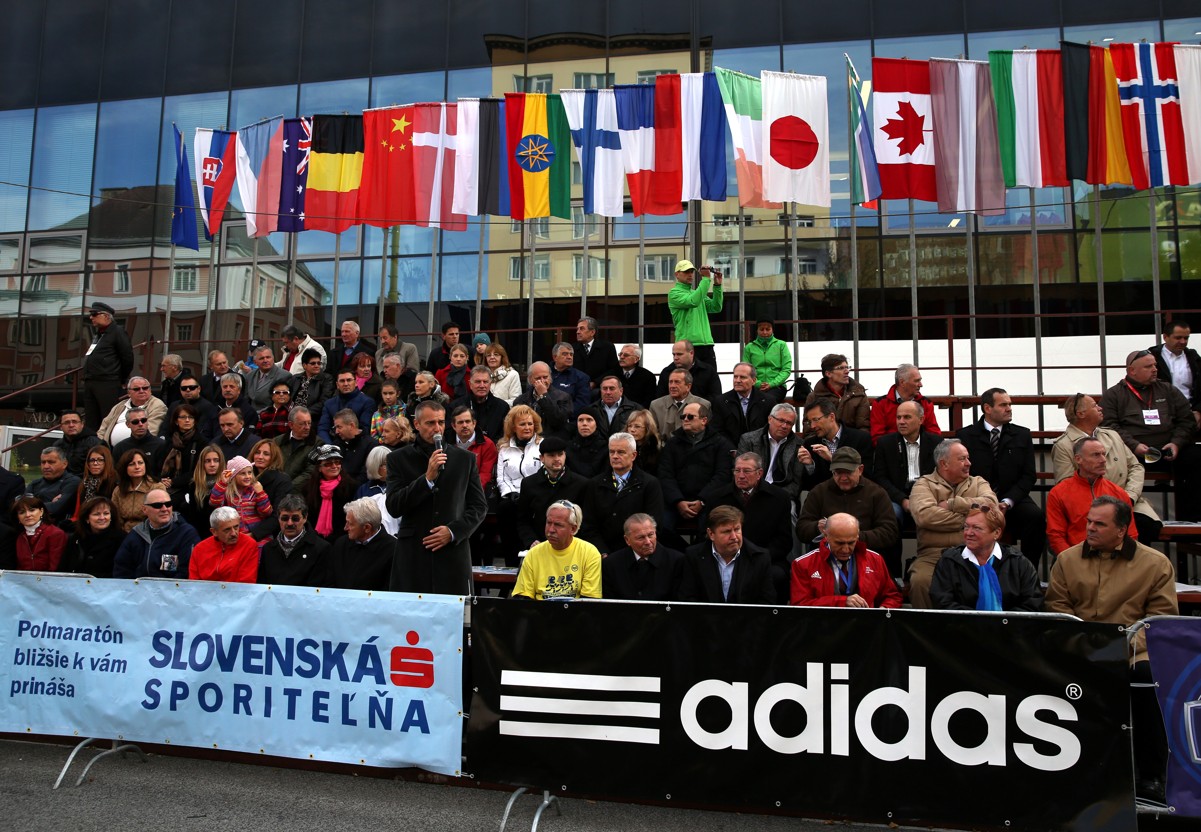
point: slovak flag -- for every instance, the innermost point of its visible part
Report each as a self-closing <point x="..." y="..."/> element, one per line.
<point x="904" y="140"/>
<point x="216" y="172"/>
<point x="1151" y="119"/>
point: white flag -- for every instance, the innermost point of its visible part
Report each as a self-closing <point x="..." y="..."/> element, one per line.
<point x="796" y="165"/>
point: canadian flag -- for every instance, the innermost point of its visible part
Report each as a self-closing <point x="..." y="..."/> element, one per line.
<point x="904" y="129"/>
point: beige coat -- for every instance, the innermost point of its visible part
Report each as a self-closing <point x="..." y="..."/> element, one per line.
<point x="937" y="527"/>
<point x="1114" y="587"/>
<point x="1121" y="465"/>
<point x="156" y="411"/>
<point x="667" y="416"/>
<point x="129" y="504"/>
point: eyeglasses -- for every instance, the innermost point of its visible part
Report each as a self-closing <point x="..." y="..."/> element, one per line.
<point x="139" y="389"/>
<point x="136" y="421"/>
<point x="840" y="368"/>
<point x="788" y="422"/>
<point x="160" y="504"/>
<point x="291" y="518"/>
<point x="186" y="387"/>
<point x="332" y="462"/>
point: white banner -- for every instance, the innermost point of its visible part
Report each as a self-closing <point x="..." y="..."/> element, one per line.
<point x="370" y="678"/>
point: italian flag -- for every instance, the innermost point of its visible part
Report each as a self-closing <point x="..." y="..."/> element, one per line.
<point x="742" y="96"/>
<point x="1028" y="87"/>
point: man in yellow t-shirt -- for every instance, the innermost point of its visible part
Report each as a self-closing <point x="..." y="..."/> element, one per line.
<point x="562" y="566"/>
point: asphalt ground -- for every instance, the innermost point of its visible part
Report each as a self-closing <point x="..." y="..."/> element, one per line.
<point x="187" y="793"/>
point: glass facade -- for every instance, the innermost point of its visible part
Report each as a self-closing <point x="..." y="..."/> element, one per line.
<point x="86" y="181"/>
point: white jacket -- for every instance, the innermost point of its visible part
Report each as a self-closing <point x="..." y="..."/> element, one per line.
<point x="514" y="463"/>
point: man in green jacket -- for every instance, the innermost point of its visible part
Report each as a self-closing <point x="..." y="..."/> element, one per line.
<point x="772" y="361"/>
<point x="691" y="308"/>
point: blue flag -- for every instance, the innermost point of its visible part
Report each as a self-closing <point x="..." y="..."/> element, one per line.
<point x="294" y="179"/>
<point x="183" y="216"/>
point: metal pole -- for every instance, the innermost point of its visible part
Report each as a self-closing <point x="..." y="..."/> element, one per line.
<point x="383" y="274"/>
<point x="587" y="269"/>
<point x="639" y="274"/>
<point x="913" y="279"/>
<point x="796" y="280"/>
<point x="851" y="106"/>
<point x="292" y="282"/>
<point x="1100" y="274"/>
<point x="1155" y="296"/>
<point x="254" y="284"/>
<point x="167" y="320"/>
<point x="742" y="267"/>
<point x="529" y="316"/>
<point x="334" y="323"/>
<point x="210" y="299"/>
<point x="1038" y="302"/>
<point x="429" y="315"/>
<point x="479" y="279"/>
<point x="970" y="240"/>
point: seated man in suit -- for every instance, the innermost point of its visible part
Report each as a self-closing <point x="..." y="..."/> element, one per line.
<point x="1003" y="454"/>
<point x="597" y="357"/>
<point x="667" y="409"/>
<point x="826" y="436"/>
<point x="614" y="408"/>
<point x="643" y="569"/>
<point x="777" y="446"/>
<point x="618" y="494"/>
<point x="767" y="511"/>
<point x="694" y="466"/>
<point x="743" y="409"/>
<point x="725" y="568"/>
<point x="637" y="382"/>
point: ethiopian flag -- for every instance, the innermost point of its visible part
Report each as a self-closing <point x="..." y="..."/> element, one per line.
<point x="539" y="141"/>
<point x="335" y="172"/>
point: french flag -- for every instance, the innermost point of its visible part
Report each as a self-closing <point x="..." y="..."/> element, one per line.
<point x="216" y="172"/>
<point x="636" y="128"/>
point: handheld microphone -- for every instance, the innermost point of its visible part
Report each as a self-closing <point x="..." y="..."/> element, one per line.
<point x="438" y="449"/>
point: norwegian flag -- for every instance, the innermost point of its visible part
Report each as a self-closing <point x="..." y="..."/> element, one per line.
<point x="298" y="142"/>
<point x="1151" y="121"/>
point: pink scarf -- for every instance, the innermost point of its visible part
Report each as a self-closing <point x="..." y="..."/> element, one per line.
<point x="325" y="517"/>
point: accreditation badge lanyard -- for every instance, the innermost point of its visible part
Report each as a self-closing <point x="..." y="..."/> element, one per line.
<point x="1150" y="414"/>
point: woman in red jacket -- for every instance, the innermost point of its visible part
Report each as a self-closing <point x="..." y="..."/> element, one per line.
<point x="40" y="545"/>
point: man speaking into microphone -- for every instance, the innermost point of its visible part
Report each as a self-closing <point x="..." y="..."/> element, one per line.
<point x="435" y="491"/>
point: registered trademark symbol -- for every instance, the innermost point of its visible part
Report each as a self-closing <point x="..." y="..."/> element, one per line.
<point x="1074" y="691"/>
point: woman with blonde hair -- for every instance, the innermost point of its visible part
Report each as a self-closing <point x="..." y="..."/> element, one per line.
<point x="425" y="388"/>
<point x="395" y="433"/>
<point x="641" y="425"/>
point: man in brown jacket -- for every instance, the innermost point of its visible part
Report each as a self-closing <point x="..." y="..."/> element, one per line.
<point x="849" y="398"/>
<point x="939" y="503"/>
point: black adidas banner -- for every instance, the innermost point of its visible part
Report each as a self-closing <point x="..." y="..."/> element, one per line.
<point x="971" y="720"/>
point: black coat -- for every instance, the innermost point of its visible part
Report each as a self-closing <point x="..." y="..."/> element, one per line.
<point x="1011" y="473"/>
<point x="77" y="449"/>
<point x="727" y="414"/>
<point x="767" y="518"/>
<point x="660" y="578"/>
<point x="697" y="471"/>
<point x="305" y="566"/>
<point x="555" y="410"/>
<point x="606" y="509"/>
<point x="1194" y="365"/>
<point x="11" y="487"/>
<point x="353" y="565"/>
<point x="640" y="387"/>
<point x="705" y="383"/>
<point x="489" y="414"/>
<point x="278" y="485"/>
<point x="342" y="495"/>
<point x="598" y="361"/>
<point x="751" y="583"/>
<point x="239" y="447"/>
<point x="321" y="387"/>
<point x="588" y="455"/>
<point x="860" y="440"/>
<point x="536" y="495"/>
<point x="604" y="425"/>
<point x="456" y="501"/>
<point x="956" y="583"/>
<point x="892" y="462"/>
<point x="111" y="356"/>
<point x="153" y="448"/>
<point x="93" y="554"/>
<point x="786" y="471"/>
<point x="250" y="416"/>
<point x="206" y="413"/>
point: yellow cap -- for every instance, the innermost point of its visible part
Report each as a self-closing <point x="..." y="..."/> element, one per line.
<point x="685" y="266"/>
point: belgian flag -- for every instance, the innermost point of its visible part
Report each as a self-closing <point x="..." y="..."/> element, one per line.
<point x="335" y="171"/>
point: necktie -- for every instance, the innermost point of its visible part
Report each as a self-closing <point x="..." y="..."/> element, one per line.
<point x="587" y="349"/>
<point x="994" y="439"/>
<point x="745" y="403"/>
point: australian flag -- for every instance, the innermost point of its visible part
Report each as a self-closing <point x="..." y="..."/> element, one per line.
<point x="298" y="141"/>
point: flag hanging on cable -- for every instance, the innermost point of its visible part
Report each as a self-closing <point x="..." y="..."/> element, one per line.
<point x="539" y="156"/>
<point x="1028" y="89"/>
<point x="335" y="173"/>
<point x="1151" y="122"/>
<point x="482" y="162"/>
<point x="183" y="215"/>
<point x="1188" y="71"/>
<point x="636" y="129"/>
<point x="260" y="154"/>
<point x="865" y="175"/>
<point x="796" y="167"/>
<point x="904" y="130"/>
<point x="386" y="190"/>
<point x="1095" y="151"/>
<point x="968" y="173"/>
<point x="294" y="178"/>
<point x="742" y="96"/>
<point x="592" y="117"/>
<point x="434" y="142"/>
<point x="216" y="170"/>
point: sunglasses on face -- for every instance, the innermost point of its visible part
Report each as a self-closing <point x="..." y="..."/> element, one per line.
<point x="160" y="504"/>
<point x="291" y="518"/>
<point x="137" y="421"/>
<point x="189" y="387"/>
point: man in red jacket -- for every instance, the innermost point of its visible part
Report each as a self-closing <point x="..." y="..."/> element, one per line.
<point x="843" y="572"/>
<point x="908" y="388"/>
<point x="229" y="555"/>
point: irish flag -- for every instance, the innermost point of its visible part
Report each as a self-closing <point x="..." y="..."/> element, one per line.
<point x="743" y="99"/>
<point x="1028" y="87"/>
<point x="539" y="141"/>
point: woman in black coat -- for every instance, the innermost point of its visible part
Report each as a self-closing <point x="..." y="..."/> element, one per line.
<point x="97" y="537"/>
<point x="587" y="450"/>
<point x="329" y="488"/>
<point x="268" y="463"/>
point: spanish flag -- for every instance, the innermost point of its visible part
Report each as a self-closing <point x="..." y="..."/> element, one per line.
<point x="1095" y="147"/>
<point x="539" y="141"/>
<point x="335" y="170"/>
